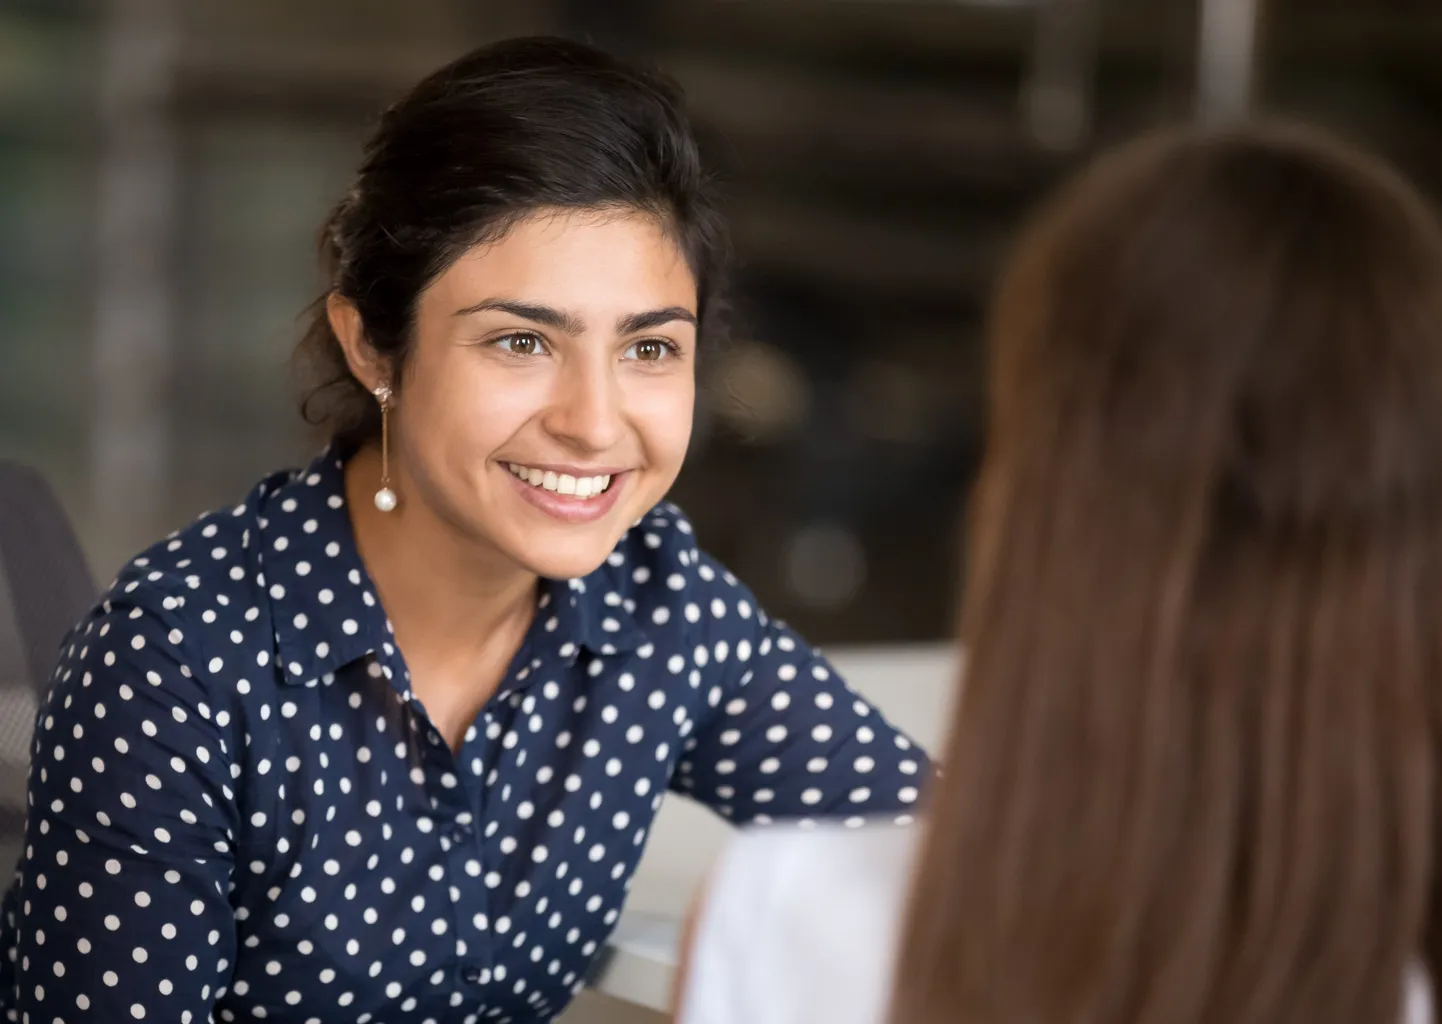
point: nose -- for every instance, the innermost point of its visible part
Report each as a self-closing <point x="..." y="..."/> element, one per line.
<point x="585" y="410"/>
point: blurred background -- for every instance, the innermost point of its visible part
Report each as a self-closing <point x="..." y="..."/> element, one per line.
<point x="164" y="166"/>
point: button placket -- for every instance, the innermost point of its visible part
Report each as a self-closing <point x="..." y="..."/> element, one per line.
<point x="460" y="814"/>
<point x="464" y="843"/>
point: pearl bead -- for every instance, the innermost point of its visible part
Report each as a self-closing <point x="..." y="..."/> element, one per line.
<point x="386" y="499"/>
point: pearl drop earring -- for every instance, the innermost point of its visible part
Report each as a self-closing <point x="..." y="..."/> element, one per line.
<point x="385" y="497"/>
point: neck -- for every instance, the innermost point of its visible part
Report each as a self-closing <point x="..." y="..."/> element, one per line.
<point x="446" y="596"/>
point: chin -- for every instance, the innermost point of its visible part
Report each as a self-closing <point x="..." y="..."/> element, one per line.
<point x="552" y="568"/>
<point x="563" y="559"/>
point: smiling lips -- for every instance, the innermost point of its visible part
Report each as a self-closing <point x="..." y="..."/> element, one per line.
<point x="576" y="497"/>
<point x="561" y="483"/>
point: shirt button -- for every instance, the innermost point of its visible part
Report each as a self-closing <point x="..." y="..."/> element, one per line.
<point x="471" y="975"/>
<point x="458" y="833"/>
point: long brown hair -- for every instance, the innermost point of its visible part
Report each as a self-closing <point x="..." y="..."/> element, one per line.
<point x="1192" y="777"/>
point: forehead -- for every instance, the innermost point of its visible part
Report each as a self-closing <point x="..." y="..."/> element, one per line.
<point x="597" y="260"/>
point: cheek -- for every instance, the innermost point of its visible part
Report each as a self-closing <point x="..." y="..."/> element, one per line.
<point x="464" y="409"/>
<point x="663" y="416"/>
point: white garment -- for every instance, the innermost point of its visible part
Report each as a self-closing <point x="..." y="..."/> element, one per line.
<point x="801" y="927"/>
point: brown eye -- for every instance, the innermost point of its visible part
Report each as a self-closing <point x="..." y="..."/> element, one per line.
<point x="519" y="344"/>
<point x="650" y="350"/>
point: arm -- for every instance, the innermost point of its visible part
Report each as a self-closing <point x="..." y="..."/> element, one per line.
<point x="783" y="736"/>
<point x="122" y="912"/>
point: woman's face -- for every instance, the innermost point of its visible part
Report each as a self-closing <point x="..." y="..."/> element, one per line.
<point x="548" y="400"/>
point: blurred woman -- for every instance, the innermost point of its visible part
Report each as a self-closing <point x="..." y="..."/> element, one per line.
<point x="1192" y="778"/>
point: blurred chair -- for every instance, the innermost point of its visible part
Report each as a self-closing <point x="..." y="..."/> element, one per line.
<point x="45" y="586"/>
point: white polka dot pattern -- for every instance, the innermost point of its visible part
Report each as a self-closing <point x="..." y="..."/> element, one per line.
<point x="239" y="811"/>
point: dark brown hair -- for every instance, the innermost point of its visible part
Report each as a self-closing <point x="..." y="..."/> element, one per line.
<point x="1192" y="777"/>
<point x="513" y="128"/>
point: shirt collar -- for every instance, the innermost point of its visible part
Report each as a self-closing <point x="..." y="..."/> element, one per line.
<point x="588" y="614"/>
<point x="324" y="606"/>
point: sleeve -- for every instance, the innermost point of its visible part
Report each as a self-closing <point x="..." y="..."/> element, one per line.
<point x="781" y="735"/>
<point x="122" y="910"/>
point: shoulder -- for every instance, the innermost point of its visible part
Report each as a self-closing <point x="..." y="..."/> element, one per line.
<point x="665" y="577"/>
<point x="177" y="604"/>
<point x="211" y="553"/>
<point x="211" y="562"/>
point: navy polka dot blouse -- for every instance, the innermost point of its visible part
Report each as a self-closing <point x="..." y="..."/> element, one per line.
<point x="239" y="811"/>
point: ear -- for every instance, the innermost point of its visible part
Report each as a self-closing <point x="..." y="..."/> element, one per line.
<point x="366" y="364"/>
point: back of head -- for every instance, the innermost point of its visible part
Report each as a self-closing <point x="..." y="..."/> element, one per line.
<point x="1192" y="776"/>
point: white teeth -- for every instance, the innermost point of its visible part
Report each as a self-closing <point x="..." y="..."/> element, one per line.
<point x="562" y="483"/>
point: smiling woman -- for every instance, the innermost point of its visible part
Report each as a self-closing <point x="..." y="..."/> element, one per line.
<point x="384" y="741"/>
<point x="564" y="348"/>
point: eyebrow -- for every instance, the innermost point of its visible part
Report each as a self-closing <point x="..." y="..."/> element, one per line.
<point x="654" y="318"/>
<point x="548" y="315"/>
<point x="572" y="324"/>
